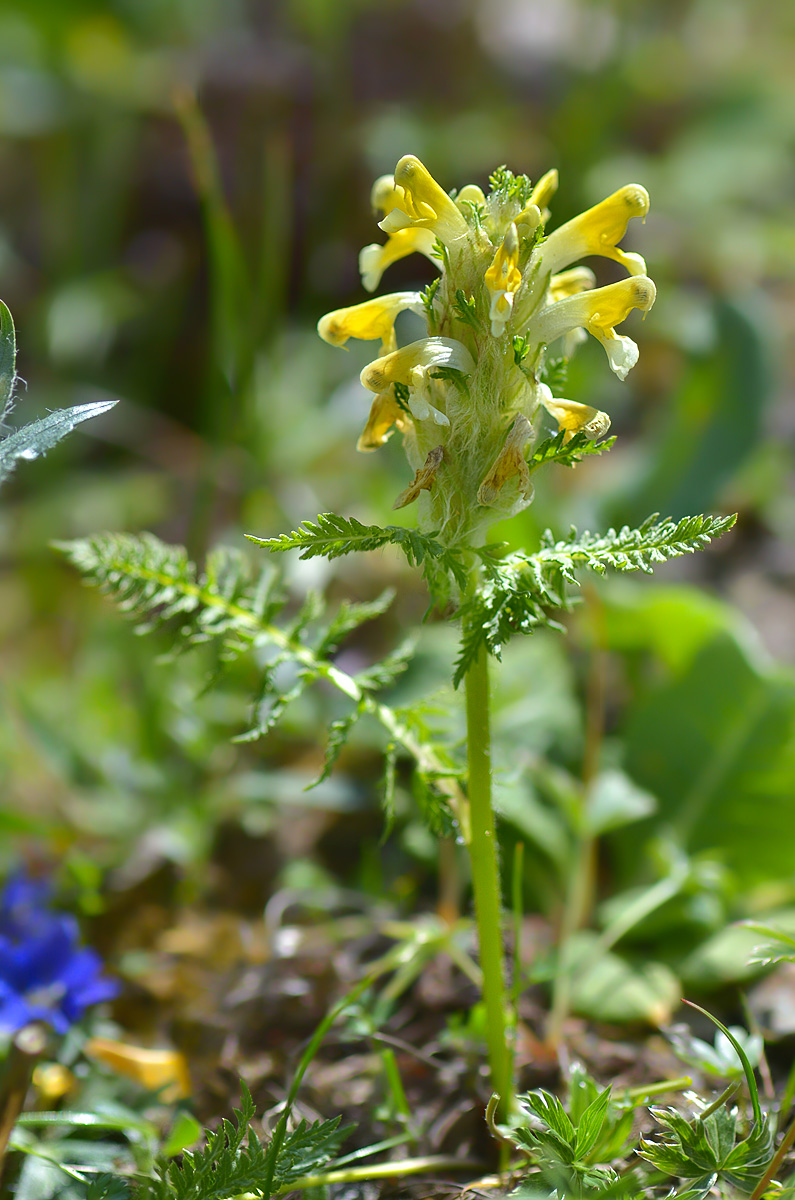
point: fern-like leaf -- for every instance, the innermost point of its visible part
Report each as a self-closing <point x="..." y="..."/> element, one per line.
<point x="154" y="583"/>
<point x="567" y="454"/>
<point x="521" y="592"/>
<point x="234" y="1160"/>
<point x="332" y="536"/>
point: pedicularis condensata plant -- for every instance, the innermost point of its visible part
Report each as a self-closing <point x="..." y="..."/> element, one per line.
<point x="504" y="315"/>
<point x="464" y="399"/>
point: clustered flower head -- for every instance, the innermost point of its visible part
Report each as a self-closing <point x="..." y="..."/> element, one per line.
<point x="45" y="974"/>
<point x="465" y="396"/>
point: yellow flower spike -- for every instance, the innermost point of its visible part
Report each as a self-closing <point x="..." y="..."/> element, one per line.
<point x="153" y="1069"/>
<point x="509" y="462"/>
<point x="599" y="312"/>
<point x="424" y="478"/>
<point x="368" y="321"/>
<point x="385" y="412"/>
<point x="545" y="189"/>
<point x="570" y="283"/>
<point x="597" y="231"/>
<point x="503" y="279"/>
<point x="576" y="418"/>
<point x="428" y="352"/>
<point x="374" y="259"/>
<point x="423" y="203"/>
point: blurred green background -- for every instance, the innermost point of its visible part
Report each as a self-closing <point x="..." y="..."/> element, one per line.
<point x="184" y="189"/>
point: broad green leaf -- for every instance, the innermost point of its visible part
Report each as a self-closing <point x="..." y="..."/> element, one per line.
<point x="614" y="800"/>
<point x="672" y="622"/>
<point x="717" y="748"/>
<point x="613" y="989"/>
<point x="714" y="421"/>
<point x="184" y="1132"/>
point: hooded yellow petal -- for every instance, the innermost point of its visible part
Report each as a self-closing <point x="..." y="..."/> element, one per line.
<point x="423" y="203"/>
<point x="368" y="321"/>
<point x="428" y="352"/>
<point x="599" y="311"/>
<point x="545" y="189"/>
<point x="598" y="231"/>
<point x="570" y="283"/>
<point x="384" y="194"/>
<point x="384" y="413"/>
<point x="577" y="418"/>
<point x="471" y="194"/>
<point x="153" y="1069"/>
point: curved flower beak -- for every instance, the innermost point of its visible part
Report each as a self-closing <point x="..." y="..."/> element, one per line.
<point x="599" y="311"/>
<point x="384" y="413"/>
<point x="503" y="279"/>
<point x="374" y="259"/>
<point x="576" y="418"/>
<point x="368" y="321"/>
<point x="598" y="231"/>
<point x="428" y="352"/>
<point x="423" y="202"/>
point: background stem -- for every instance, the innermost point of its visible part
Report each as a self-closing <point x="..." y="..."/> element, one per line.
<point x="482" y="848"/>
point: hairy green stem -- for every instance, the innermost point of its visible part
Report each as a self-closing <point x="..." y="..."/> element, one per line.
<point x="482" y="848"/>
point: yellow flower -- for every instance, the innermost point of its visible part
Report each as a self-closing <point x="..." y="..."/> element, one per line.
<point x="374" y="259"/>
<point x="384" y="413"/>
<point x="423" y="203"/>
<point x="367" y="321"/>
<point x="428" y="352"/>
<point x="597" y="231"/>
<point x="545" y="189"/>
<point x="153" y="1069"/>
<point x="503" y="279"/>
<point x="599" y="312"/>
<point x="570" y="283"/>
<point x="384" y="194"/>
<point x="574" y="417"/>
<point x="470" y="193"/>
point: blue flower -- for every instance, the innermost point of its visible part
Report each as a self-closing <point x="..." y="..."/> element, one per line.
<point x="45" y="974"/>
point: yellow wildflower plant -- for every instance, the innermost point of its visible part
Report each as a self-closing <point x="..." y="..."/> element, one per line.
<point x="465" y="397"/>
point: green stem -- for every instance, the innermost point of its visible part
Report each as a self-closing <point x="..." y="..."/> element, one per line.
<point x="482" y="847"/>
<point x="392" y="1170"/>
